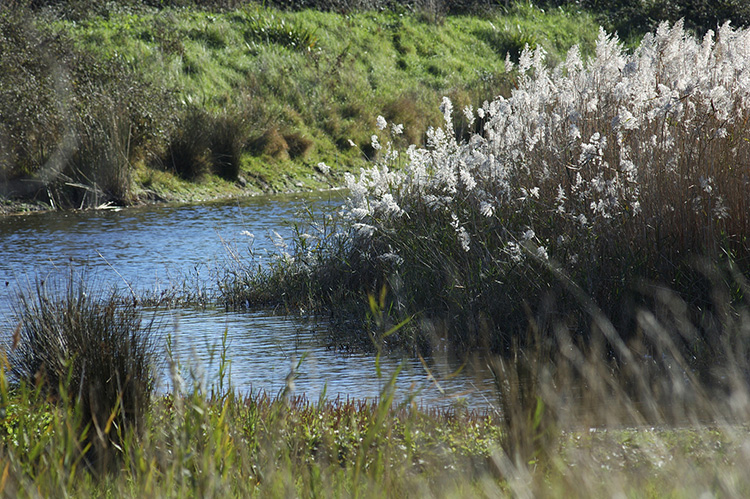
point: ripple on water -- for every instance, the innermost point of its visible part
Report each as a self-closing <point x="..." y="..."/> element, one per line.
<point x="155" y="247"/>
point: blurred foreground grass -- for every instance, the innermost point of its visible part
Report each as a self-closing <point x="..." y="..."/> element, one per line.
<point x="567" y="422"/>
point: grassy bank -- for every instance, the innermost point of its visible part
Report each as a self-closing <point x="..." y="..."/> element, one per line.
<point x="133" y="102"/>
<point x="142" y="100"/>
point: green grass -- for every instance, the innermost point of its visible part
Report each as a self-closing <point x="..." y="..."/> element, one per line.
<point x="214" y="441"/>
<point x="569" y="423"/>
<point x="321" y="75"/>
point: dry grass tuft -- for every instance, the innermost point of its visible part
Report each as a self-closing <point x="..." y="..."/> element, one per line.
<point x="272" y="144"/>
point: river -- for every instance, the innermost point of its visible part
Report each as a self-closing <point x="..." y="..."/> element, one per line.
<point x="157" y="248"/>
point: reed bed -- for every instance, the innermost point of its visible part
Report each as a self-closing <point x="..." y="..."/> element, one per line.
<point x="591" y="233"/>
<point x="597" y="184"/>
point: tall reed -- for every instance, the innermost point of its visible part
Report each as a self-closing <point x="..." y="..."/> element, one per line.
<point x="623" y="175"/>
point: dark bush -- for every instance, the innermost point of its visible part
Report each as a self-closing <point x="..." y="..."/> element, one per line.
<point x="91" y="347"/>
<point x="227" y="141"/>
<point x="299" y="145"/>
<point x="204" y="143"/>
<point x="271" y="143"/>
<point x="189" y="149"/>
<point x="30" y="70"/>
<point x="511" y="42"/>
<point x="73" y="123"/>
<point x="633" y="18"/>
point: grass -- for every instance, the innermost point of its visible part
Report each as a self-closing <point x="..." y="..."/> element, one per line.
<point x="91" y="353"/>
<point x="570" y="424"/>
<point x="212" y="84"/>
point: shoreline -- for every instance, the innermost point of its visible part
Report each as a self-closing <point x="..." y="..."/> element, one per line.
<point x="198" y="193"/>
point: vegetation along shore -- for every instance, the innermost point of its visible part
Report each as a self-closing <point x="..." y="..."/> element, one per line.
<point x="131" y="101"/>
<point x="571" y="201"/>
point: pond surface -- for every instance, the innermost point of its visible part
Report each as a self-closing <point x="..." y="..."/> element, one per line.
<point x="156" y="248"/>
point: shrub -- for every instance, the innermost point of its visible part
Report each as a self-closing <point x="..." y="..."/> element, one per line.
<point x="411" y="111"/>
<point x="100" y="165"/>
<point x="189" y="153"/>
<point x="227" y="141"/>
<point x="92" y="346"/>
<point x="633" y="18"/>
<point x="29" y="76"/>
<point x="271" y="143"/>
<point x="511" y="41"/>
<point x="203" y="142"/>
<point x="75" y="123"/>
<point x="299" y="145"/>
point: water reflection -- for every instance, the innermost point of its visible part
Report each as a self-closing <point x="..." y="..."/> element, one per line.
<point x="263" y="349"/>
<point x="148" y="246"/>
<point x="156" y="247"/>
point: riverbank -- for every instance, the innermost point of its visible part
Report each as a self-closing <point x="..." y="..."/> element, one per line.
<point x="158" y="187"/>
<point x="128" y="102"/>
<point x="140" y="103"/>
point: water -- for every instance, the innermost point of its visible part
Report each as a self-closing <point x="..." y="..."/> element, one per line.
<point x="157" y="247"/>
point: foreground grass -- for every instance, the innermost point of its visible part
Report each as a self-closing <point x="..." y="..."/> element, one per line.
<point x="209" y="445"/>
<point x="79" y="416"/>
